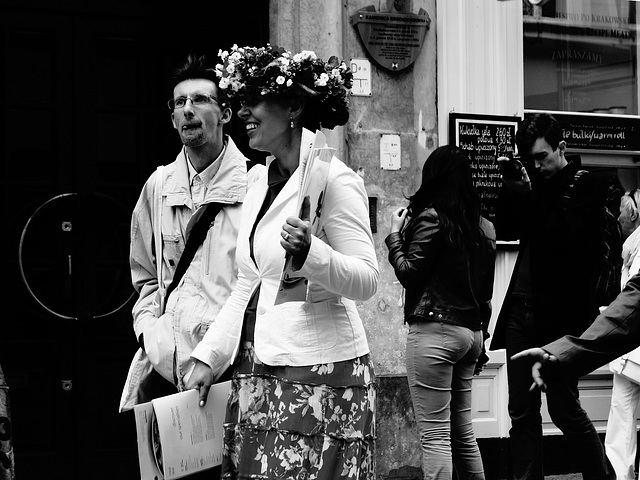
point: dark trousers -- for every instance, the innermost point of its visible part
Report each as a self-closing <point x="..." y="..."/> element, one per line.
<point x="563" y="405"/>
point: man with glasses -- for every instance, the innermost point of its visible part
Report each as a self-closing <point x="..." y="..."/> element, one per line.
<point x="209" y="174"/>
<point x="551" y="292"/>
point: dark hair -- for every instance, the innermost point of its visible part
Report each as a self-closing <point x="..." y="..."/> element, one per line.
<point x="318" y="112"/>
<point x="197" y="66"/>
<point x="539" y="125"/>
<point x="326" y="114"/>
<point x="447" y="186"/>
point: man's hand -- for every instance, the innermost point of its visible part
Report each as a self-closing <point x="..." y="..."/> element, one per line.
<point x="541" y="359"/>
<point x="519" y="181"/>
<point x="201" y="378"/>
<point x="481" y="362"/>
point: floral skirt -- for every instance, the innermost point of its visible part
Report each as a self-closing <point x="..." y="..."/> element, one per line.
<point x="310" y="423"/>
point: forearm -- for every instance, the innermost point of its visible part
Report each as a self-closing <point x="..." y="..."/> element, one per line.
<point x="353" y="276"/>
<point x="416" y="263"/>
<point x="218" y="345"/>
<point x="614" y="332"/>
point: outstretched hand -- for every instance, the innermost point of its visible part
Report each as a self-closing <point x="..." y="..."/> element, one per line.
<point x="201" y="378"/>
<point x="296" y="234"/>
<point x="541" y="358"/>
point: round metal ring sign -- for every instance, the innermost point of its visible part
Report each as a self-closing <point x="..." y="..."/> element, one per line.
<point x="393" y="40"/>
<point x="73" y="256"/>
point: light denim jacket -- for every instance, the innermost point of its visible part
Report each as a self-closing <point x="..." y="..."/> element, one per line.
<point x="341" y="268"/>
<point x="208" y="281"/>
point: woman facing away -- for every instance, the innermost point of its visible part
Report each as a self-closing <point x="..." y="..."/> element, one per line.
<point x="302" y="399"/>
<point x="443" y="253"/>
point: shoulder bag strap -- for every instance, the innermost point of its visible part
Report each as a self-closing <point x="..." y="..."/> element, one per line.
<point x="196" y="237"/>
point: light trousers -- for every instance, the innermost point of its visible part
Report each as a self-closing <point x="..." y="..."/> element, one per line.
<point x="621" y="438"/>
<point x="440" y="362"/>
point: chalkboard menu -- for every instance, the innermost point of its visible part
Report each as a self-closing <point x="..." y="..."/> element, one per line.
<point x="484" y="138"/>
<point x="590" y="131"/>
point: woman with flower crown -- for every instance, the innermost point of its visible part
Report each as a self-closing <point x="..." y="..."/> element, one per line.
<point x="303" y="388"/>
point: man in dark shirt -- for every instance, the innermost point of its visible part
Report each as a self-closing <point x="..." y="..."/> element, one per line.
<point x="551" y="292"/>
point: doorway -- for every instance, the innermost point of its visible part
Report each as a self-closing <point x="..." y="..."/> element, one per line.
<point x="84" y="124"/>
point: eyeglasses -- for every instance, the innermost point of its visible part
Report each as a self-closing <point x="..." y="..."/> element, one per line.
<point x="197" y="99"/>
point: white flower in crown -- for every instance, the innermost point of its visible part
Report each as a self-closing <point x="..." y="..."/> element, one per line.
<point x="274" y="70"/>
<point x="322" y="81"/>
<point x="284" y="63"/>
<point x="304" y="55"/>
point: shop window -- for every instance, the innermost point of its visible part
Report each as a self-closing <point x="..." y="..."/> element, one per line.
<point x="581" y="56"/>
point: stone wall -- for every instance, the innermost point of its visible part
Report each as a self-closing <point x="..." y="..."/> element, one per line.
<point x="402" y="103"/>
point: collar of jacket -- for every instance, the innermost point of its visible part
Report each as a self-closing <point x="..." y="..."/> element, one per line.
<point x="560" y="179"/>
<point x="229" y="185"/>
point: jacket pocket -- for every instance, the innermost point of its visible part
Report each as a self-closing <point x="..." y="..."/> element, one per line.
<point x="173" y="246"/>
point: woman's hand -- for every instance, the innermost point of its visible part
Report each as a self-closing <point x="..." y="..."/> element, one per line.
<point x="201" y="378"/>
<point x="397" y="219"/>
<point x="296" y="235"/>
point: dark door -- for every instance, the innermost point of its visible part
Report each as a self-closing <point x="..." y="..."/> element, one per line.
<point x="83" y="124"/>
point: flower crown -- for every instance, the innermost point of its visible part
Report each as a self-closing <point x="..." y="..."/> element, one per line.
<point x="272" y="70"/>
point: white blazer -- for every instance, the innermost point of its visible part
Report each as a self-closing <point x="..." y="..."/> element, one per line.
<point x="341" y="268"/>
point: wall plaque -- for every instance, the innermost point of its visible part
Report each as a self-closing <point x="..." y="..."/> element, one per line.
<point x="393" y="40"/>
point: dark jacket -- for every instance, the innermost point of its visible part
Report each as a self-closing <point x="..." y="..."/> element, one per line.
<point x="562" y="237"/>
<point x="443" y="282"/>
<point x="613" y="333"/>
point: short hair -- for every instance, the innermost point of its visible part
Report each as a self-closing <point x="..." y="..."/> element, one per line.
<point x="539" y="125"/>
<point x="195" y="67"/>
<point x="629" y="202"/>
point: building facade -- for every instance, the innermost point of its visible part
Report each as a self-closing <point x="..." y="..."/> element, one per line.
<point x="500" y="58"/>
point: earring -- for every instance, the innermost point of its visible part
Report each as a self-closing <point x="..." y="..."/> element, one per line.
<point x="292" y="124"/>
